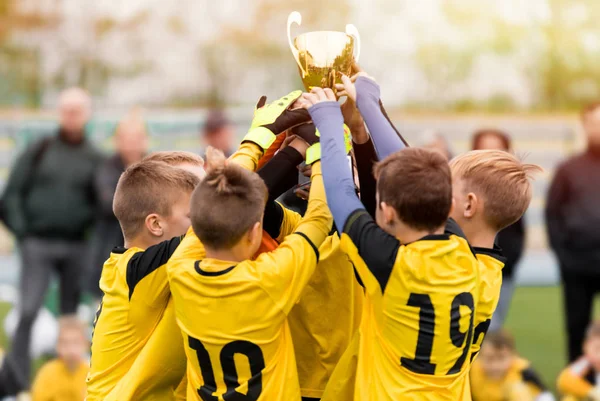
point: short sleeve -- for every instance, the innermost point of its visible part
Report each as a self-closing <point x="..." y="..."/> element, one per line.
<point x="375" y="246"/>
<point x="143" y="264"/>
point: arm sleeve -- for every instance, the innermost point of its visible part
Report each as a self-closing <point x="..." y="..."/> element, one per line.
<point x="276" y="174"/>
<point x="375" y="246"/>
<point x="142" y="264"/>
<point x="247" y="155"/>
<point x="14" y="193"/>
<point x="339" y="185"/>
<point x="571" y="381"/>
<point x="557" y="196"/>
<point x="290" y="266"/>
<point x="533" y="380"/>
<point x="366" y="157"/>
<point x="383" y="134"/>
<point x="104" y="189"/>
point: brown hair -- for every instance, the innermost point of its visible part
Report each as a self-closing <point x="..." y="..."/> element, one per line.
<point x="593" y="330"/>
<point x="417" y="183"/>
<point x="500" y="339"/>
<point x="149" y="187"/>
<point x="503" y="136"/>
<point x="503" y="181"/>
<point x="175" y="158"/>
<point x="227" y="203"/>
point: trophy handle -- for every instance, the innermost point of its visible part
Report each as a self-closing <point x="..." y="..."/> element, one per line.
<point x="294" y="18"/>
<point x="352" y="31"/>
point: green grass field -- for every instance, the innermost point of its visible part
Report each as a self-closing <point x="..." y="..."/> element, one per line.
<point x="536" y="320"/>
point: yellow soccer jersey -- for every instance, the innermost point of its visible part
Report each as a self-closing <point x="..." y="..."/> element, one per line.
<point x="136" y="293"/>
<point x="159" y="368"/>
<point x="521" y="383"/>
<point x="234" y="316"/>
<point x="417" y="324"/>
<point x="327" y="315"/>
<point x="491" y="263"/>
<point x="54" y="382"/>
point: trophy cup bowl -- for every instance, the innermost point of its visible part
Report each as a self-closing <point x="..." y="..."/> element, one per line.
<point x="323" y="56"/>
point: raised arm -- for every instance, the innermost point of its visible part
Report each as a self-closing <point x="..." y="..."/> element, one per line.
<point x="377" y="248"/>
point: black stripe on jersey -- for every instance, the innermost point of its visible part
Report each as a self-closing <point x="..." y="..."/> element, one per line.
<point x="310" y="242"/>
<point x="119" y="250"/>
<point x="145" y="262"/>
<point x="375" y="246"/>
<point x="211" y="274"/>
<point x="495" y="253"/>
<point x="530" y="376"/>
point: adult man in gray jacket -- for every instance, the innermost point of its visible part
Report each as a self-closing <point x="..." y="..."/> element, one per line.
<point x="49" y="205"/>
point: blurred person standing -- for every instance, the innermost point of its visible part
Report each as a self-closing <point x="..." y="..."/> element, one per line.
<point x="512" y="238"/>
<point x="50" y="204"/>
<point x="131" y="145"/>
<point x="435" y="141"/>
<point x="219" y="132"/>
<point x="573" y="225"/>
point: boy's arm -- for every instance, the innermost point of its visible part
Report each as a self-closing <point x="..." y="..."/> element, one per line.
<point x="385" y="138"/>
<point x="284" y="273"/>
<point x="377" y="248"/>
<point x="571" y="380"/>
<point x="275" y="174"/>
<point x="366" y="157"/>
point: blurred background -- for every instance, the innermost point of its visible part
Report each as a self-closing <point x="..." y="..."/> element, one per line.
<point x="447" y="69"/>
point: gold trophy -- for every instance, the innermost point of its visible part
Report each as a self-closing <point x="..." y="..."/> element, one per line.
<point x="323" y="56"/>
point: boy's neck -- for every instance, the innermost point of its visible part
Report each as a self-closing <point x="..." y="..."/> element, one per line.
<point x="409" y="235"/>
<point x="142" y="241"/>
<point x="479" y="237"/>
<point x="72" y="366"/>
<point x="236" y="254"/>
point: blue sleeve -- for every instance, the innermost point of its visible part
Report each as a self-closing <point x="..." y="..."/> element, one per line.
<point x="385" y="137"/>
<point x="337" y="177"/>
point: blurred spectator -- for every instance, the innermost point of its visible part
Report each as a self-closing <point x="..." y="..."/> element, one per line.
<point x="50" y="205"/>
<point x="579" y="381"/>
<point x="573" y="221"/>
<point x="512" y="238"/>
<point x="63" y="379"/>
<point x="500" y="374"/>
<point x="219" y="132"/>
<point x="436" y="141"/>
<point x="131" y="144"/>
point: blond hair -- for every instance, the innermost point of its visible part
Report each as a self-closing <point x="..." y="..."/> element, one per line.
<point x="176" y="158"/>
<point x="502" y="180"/>
<point x="227" y="203"/>
<point x="133" y="120"/>
<point x="71" y="323"/>
<point x="149" y="187"/>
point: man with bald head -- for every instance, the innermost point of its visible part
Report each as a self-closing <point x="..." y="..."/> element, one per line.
<point x="49" y="205"/>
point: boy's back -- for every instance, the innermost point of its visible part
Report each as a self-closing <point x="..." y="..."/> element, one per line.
<point x="416" y="335"/>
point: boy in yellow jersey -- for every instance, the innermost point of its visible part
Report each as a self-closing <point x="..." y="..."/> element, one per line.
<point x="63" y="379"/>
<point x="421" y="284"/>
<point x="499" y="374"/>
<point x="328" y="313"/>
<point x="233" y="311"/>
<point x="580" y="381"/>
<point x="152" y="205"/>
<point x="158" y="368"/>
<point x="491" y="190"/>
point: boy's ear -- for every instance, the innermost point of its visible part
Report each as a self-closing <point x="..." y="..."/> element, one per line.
<point x="255" y="232"/>
<point x="471" y="205"/>
<point x="389" y="214"/>
<point x="153" y="225"/>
